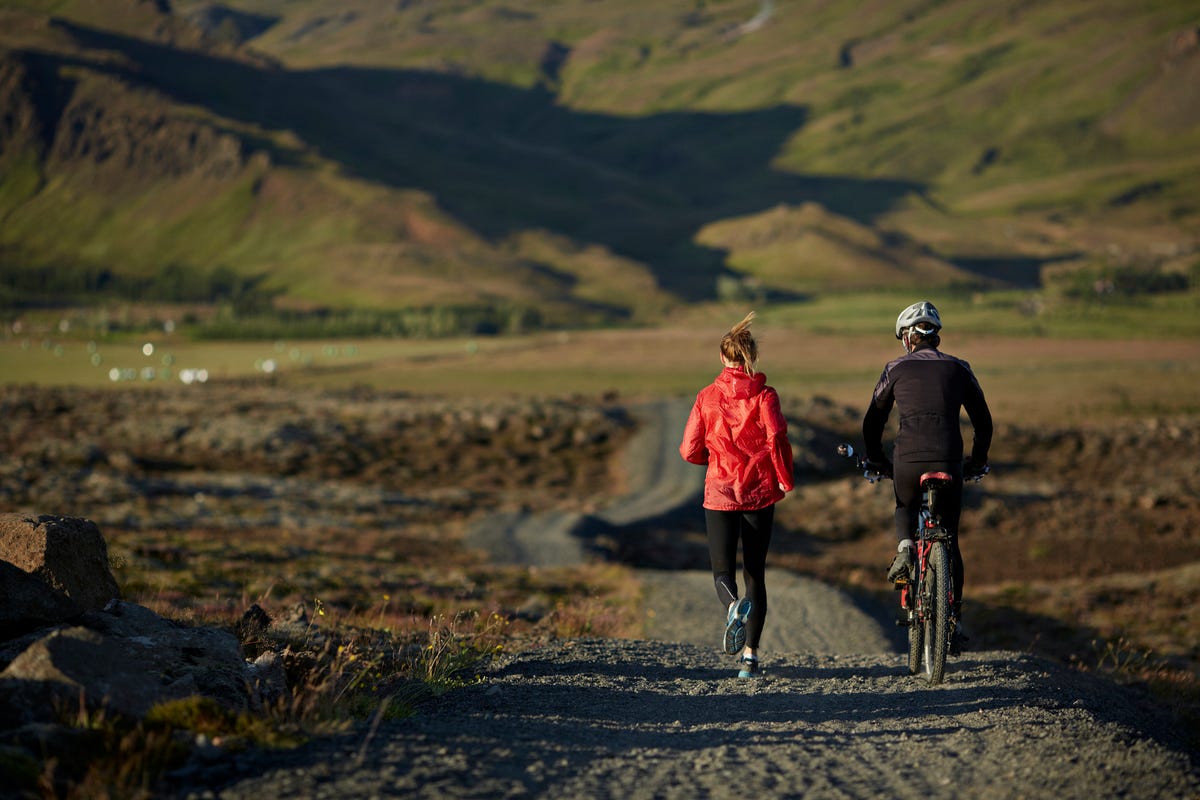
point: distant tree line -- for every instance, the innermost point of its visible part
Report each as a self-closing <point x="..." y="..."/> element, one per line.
<point x="427" y="322"/>
<point x="245" y="308"/>
<point x="1122" y="281"/>
<point x="23" y="286"/>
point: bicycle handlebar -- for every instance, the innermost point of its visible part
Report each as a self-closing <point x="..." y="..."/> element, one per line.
<point x="872" y="474"/>
<point x="860" y="462"/>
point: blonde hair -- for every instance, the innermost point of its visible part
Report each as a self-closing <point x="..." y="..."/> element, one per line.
<point x="738" y="345"/>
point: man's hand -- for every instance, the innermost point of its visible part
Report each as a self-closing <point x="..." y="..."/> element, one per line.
<point x="883" y="467"/>
<point x="974" y="470"/>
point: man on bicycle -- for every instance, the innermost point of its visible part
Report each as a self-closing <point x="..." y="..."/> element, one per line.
<point x="929" y="388"/>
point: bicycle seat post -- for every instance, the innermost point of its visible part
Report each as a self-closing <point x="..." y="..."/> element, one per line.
<point x="931" y="482"/>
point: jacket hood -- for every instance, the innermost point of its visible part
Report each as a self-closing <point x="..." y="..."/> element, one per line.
<point x="734" y="382"/>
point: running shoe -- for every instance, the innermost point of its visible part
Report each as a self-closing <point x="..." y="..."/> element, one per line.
<point x="749" y="667"/>
<point x="735" y="626"/>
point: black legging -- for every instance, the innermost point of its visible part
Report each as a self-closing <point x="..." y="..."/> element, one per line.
<point x="907" y="483"/>
<point x="753" y="529"/>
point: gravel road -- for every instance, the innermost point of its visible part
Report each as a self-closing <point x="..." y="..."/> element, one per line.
<point x="834" y="715"/>
<point x="656" y="719"/>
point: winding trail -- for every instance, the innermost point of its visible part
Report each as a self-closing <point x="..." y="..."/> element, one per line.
<point x="664" y="484"/>
<point x="681" y="605"/>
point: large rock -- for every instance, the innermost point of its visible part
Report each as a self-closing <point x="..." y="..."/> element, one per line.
<point x="68" y="646"/>
<point x="29" y="603"/>
<point x="68" y="554"/>
<point x="126" y="659"/>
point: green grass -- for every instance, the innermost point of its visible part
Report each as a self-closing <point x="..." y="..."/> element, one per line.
<point x="1069" y="364"/>
<point x="1001" y="314"/>
<point x="71" y="362"/>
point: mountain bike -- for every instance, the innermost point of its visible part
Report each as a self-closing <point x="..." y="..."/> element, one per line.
<point x="927" y="594"/>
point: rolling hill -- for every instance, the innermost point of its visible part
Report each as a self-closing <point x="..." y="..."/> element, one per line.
<point x="587" y="163"/>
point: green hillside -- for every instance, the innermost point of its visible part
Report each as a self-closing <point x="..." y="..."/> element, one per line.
<point x="584" y="162"/>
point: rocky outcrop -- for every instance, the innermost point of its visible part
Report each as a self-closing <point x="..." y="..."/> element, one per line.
<point x="126" y="659"/>
<point x="114" y="126"/>
<point x="28" y="602"/>
<point x="136" y="141"/>
<point x="67" y="642"/>
<point x="67" y="554"/>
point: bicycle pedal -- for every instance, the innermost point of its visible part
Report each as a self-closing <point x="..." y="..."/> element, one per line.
<point x="900" y="584"/>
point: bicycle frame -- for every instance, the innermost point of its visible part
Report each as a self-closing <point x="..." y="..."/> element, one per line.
<point x="929" y="525"/>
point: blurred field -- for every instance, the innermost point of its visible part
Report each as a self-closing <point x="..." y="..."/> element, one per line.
<point x="1069" y="366"/>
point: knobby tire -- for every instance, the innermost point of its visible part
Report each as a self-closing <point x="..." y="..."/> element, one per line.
<point x="937" y="617"/>
<point x="915" y="631"/>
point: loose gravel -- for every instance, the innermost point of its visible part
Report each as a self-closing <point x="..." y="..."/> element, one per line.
<point x="647" y="719"/>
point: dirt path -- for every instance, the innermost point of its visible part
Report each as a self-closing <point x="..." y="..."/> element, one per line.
<point x="662" y="483"/>
<point x="805" y="616"/>
<point x="681" y="606"/>
<point x="834" y="715"/>
<point x="655" y="719"/>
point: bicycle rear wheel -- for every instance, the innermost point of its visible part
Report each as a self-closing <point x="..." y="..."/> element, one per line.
<point x="937" y="612"/>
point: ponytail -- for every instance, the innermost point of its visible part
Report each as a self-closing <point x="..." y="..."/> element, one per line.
<point x="738" y="345"/>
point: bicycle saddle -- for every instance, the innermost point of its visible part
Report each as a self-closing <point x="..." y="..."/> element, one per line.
<point x="939" y="477"/>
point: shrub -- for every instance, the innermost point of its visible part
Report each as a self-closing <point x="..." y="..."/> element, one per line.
<point x="1117" y="282"/>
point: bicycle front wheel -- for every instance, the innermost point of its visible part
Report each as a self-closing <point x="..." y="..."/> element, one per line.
<point x="916" y="637"/>
<point x="937" y="613"/>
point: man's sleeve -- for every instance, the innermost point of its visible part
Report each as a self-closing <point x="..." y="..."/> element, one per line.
<point x="876" y="419"/>
<point x="981" y="419"/>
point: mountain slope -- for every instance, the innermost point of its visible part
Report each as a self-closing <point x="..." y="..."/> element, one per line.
<point x="596" y="162"/>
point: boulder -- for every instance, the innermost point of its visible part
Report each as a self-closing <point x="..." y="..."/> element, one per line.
<point x="29" y="603"/>
<point x="68" y="554"/>
<point x="127" y="659"/>
<point x="67" y="643"/>
<point x="71" y="649"/>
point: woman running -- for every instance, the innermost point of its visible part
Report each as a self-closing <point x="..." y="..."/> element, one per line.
<point x="737" y="429"/>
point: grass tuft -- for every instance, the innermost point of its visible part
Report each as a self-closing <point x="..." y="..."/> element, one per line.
<point x="1177" y="689"/>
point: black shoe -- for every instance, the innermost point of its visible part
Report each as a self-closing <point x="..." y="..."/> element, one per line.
<point x="901" y="567"/>
<point x="958" y="640"/>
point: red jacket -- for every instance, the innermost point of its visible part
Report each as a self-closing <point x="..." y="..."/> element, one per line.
<point x="738" y="430"/>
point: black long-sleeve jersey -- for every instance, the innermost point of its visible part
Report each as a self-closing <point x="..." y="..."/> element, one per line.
<point x="929" y="388"/>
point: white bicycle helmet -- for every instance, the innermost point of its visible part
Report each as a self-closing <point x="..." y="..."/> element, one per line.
<point x="921" y="314"/>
